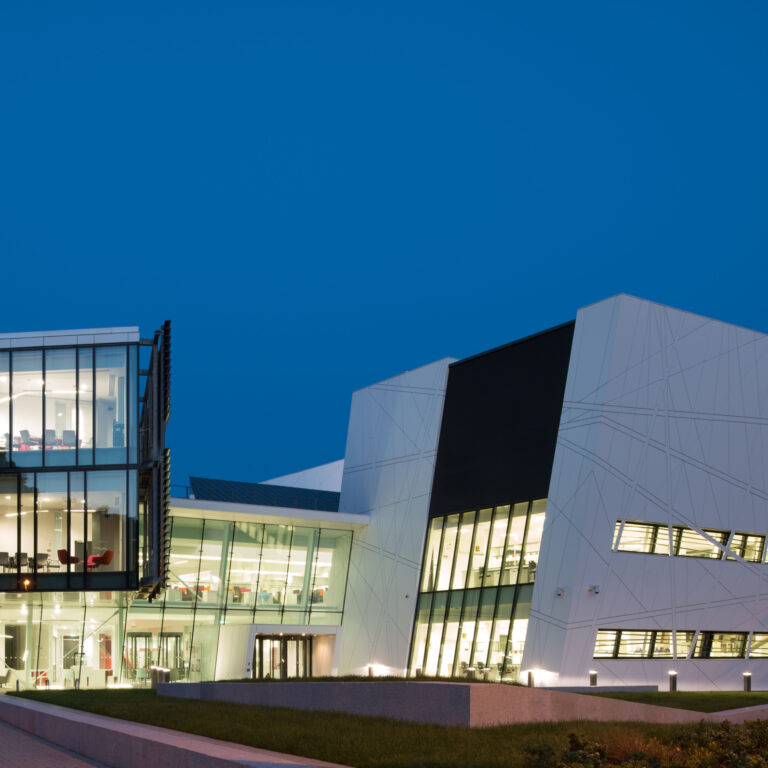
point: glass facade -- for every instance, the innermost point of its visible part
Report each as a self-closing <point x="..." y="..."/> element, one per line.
<point x="68" y="467"/>
<point x="475" y="592"/>
<point x="223" y="573"/>
<point x="67" y="406"/>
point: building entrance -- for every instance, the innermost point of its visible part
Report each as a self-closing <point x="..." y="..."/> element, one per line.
<point x="278" y="658"/>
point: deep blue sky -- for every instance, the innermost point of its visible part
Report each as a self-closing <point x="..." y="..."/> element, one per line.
<point x="320" y="195"/>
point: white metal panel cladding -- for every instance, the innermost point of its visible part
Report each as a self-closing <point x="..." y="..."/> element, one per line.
<point x="388" y="469"/>
<point x="665" y="419"/>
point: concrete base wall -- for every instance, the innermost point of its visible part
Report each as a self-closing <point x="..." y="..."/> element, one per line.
<point x="465" y="704"/>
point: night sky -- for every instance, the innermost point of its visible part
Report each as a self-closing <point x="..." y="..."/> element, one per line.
<point x="321" y="195"/>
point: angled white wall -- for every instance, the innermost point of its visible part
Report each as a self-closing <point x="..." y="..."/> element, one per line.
<point x="325" y="477"/>
<point x="665" y="420"/>
<point x="388" y="467"/>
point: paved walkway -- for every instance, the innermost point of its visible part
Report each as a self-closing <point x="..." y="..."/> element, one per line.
<point x="124" y="744"/>
<point x="23" y="749"/>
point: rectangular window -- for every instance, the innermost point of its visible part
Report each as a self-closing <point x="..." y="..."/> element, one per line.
<point x="466" y="532"/>
<point x="605" y="644"/>
<point x="299" y="591"/>
<point x="501" y="667"/>
<point x="467" y="633"/>
<point x="720" y="645"/>
<point x="748" y="546"/>
<point x="8" y="521"/>
<point x="634" y="644"/>
<point x="431" y="555"/>
<point x="244" y="565"/>
<point x="684" y="641"/>
<point x="330" y="579"/>
<point x="759" y="647"/>
<point x="423" y="610"/>
<point x="85" y="408"/>
<point x="5" y="408"/>
<point x="662" y="645"/>
<point x="51" y="519"/>
<point x="111" y="405"/>
<point x="452" y="618"/>
<point x="435" y="633"/>
<point x="648" y="538"/>
<point x="106" y="521"/>
<point x="637" y="644"/>
<point x="27" y="405"/>
<point x="530" y="560"/>
<point x="446" y="552"/>
<point x="60" y="438"/>
<point x="480" y="548"/>
<point x="26" y="553"/>
<point x="514" y="553"/>
<point x="76" y="556"/>
<point x="688" y="543"/>
<point x="496" y="546"/>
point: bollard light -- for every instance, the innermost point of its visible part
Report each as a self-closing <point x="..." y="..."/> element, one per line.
<point x="672" y="680"/>
<point x="747" y="681"/>
<point x="530" y="678"/>
<point x="593" y="677"/>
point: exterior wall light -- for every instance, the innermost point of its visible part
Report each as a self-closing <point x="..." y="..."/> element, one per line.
<point x="747" y="681"/>
<point x="593" y="677"/>
<point x="560" y="592"/>
<point x="672" y="680"/>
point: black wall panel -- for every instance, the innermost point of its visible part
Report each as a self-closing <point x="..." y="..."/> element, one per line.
<point x="500" y="421"/>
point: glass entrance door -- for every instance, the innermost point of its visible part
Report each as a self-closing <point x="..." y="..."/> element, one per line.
<point x="277" y="658"/>
<point x="171" y="654"/>
<point x="138" y="656"/>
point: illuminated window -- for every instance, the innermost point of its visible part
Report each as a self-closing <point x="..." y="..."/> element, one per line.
<point x="748" y="546"/>
<point x="720" y="645"/>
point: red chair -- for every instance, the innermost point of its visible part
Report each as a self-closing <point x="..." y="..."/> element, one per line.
<point x="65" y="557"/>
<point x="105" y="558"/>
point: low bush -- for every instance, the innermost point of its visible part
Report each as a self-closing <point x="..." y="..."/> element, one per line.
<point x="706" y="745"/>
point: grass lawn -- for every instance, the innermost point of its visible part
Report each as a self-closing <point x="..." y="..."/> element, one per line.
<point x="364" y="741"/>
<point x="698" y="701"/>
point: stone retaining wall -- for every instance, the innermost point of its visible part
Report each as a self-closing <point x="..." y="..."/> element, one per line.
<point x="465" y="704"/>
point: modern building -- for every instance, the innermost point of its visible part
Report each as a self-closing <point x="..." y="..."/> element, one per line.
<point x="588" y="500"/>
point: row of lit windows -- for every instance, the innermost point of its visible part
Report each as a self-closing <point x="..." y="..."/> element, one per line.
<point x="654" y="539"/>
<point x="255" y="568"/>
<point x="488" y="548"/>
<point x="660" y="644"/>
<point x="68" y="406"/>
<point x="472" y="633"/>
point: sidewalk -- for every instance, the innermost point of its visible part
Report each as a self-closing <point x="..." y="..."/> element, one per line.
<point x="122" y="744"/>
<point x="20" y="748"/>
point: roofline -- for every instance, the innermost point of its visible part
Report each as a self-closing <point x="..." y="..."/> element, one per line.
<point x="74" y="337"/>
<point x="513" y="343"/>
<point x="280" y="515"/>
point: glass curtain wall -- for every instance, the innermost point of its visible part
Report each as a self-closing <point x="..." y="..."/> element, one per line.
<point x="222" y="572"/>
<point x="475" y="594"/>
<point x="59" y="405"/>
<point x="233" y="572"/>
<point x="80" y="536"/>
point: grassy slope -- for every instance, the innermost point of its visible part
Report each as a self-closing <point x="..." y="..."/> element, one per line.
<point x="352" y="740"/>
<point x="710" y="701"/>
